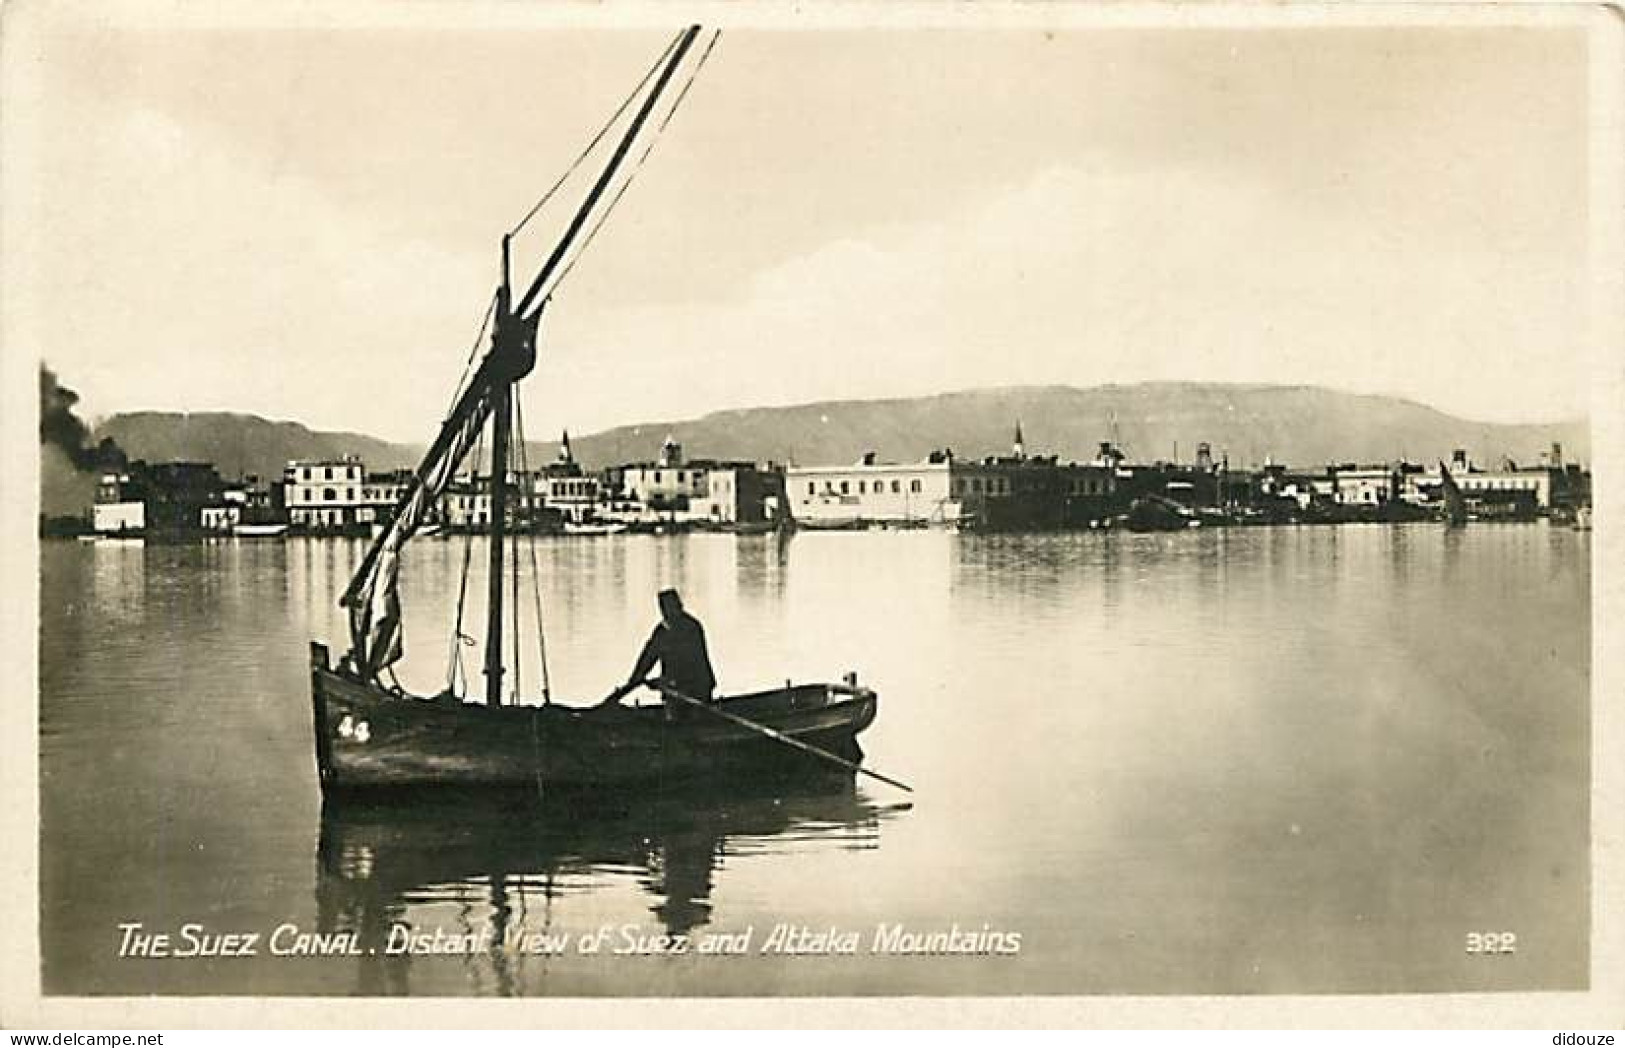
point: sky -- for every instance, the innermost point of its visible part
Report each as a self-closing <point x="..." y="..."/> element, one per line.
<point x="303" y="223"/>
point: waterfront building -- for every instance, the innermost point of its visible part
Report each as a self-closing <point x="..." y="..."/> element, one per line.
<point x="567" y="490"/>
<point x="120" y="506"/>
<point x="1352" y="485"/>
<point x="222" y="518"/>
<point x="1004" y="492"/>
<point x="325" y="495"/>
<point x="574" y="495"/>
<point x="1529" y="487"/>
<point x="706" y="491"/>
<point x="740" y="493"/>
<point x="1510" y="491"/>
<point x="246" y="501"/>
<point x="380" y="494"/>
<point x="466" y="503"/>
<point x="1186" y="485"/>
<point x="1089" y="492"/>
<point x="996" y="492"/>
<point x="872" y="491"/>
<point x="164" y="497"/>
<point x="668" y="484"/>
<point x="1279" y="487"/>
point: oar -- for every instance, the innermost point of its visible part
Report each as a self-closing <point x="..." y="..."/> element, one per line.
<point x="777" y="736"/>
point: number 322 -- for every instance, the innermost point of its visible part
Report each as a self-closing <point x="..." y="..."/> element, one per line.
<point x="1492" y="942"/>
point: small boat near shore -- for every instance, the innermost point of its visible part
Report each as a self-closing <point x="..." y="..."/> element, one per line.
<point x="1154" y="513"/>
<point x="594" y="528"/>
<point x="260" y="531"/>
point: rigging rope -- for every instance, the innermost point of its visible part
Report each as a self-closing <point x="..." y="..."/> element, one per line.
<point x="515" y="456"/>
<point x="633" y="173"/>
<point x="715" y="36"/>
<point x="535" y="570"/>
<point x="468" y="365"/>
<point x="458" y="637"/>
<point x="599" y="137"/>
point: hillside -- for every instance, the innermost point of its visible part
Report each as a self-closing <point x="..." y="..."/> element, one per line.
<point x="1293" y="424"/>
<point x="1299" y="425"/>
<point x="242" y="444"/>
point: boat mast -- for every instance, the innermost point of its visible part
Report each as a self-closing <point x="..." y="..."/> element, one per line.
<point x="528" y="308"/>
<point x="501" y="423"/>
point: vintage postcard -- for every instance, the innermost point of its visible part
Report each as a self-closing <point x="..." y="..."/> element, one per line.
<point x="995" y="514"/>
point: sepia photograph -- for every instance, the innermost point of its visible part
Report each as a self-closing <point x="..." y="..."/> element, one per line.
<point x="536" y="501"/>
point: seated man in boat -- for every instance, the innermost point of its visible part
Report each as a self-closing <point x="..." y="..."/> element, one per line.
<point x="678" y="644"/>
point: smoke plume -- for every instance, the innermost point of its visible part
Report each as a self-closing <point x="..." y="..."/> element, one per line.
<point x="61" y="428"/>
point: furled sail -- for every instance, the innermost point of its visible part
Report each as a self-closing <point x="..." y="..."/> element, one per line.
<point x="1455" y="505"/>
<point x="373" y="597"/>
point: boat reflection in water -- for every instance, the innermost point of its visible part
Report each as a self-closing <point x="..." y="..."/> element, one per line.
<point x="491" y="869"/>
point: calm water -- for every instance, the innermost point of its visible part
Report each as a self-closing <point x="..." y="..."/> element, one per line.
<point x="1266" y="760"/>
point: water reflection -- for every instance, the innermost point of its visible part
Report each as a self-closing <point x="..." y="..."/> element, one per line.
<point x="493" y="867"/>
<point x="1176" y="763"/>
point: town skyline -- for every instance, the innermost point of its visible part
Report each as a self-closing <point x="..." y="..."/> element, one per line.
<point x="1246" y="423"/>
<point x="878" y="225"/>
<point x="95" y="419"/>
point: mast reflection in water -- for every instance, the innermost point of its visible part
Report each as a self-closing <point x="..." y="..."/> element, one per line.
<point x="478" y="875"/>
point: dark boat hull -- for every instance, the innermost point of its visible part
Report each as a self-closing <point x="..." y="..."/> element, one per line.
<point x="371" y="739"/>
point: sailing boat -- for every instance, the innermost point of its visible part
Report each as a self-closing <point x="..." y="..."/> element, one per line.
<point x="372" y="734"/>
<point x="1455" y="506"/>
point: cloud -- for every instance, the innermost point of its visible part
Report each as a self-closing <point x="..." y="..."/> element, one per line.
<point x="254" y="292"/>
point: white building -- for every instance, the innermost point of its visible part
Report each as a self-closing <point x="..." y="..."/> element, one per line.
<point x="667" y="483"/>
<point x="873" y="492"/>
<point x="574" y="495"/>
<point x="466" y="504"/>
<point x="113" y="518"/>
<point x="1507" y="484"/>
<point x="1535" y="484"/>
<point x="380" y="494"/>
<point x="1360" y="485"/>
<point x="720" y="503"/>
<point x="325" y="495"/>
<point x="222" y="518"/>
<point x="566" y="488"/>
<point x="740" y="493"/>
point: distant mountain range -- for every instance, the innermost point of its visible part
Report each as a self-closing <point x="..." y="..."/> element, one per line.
<point x="1299" y="425"/>
<point x="240" y="445"/>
